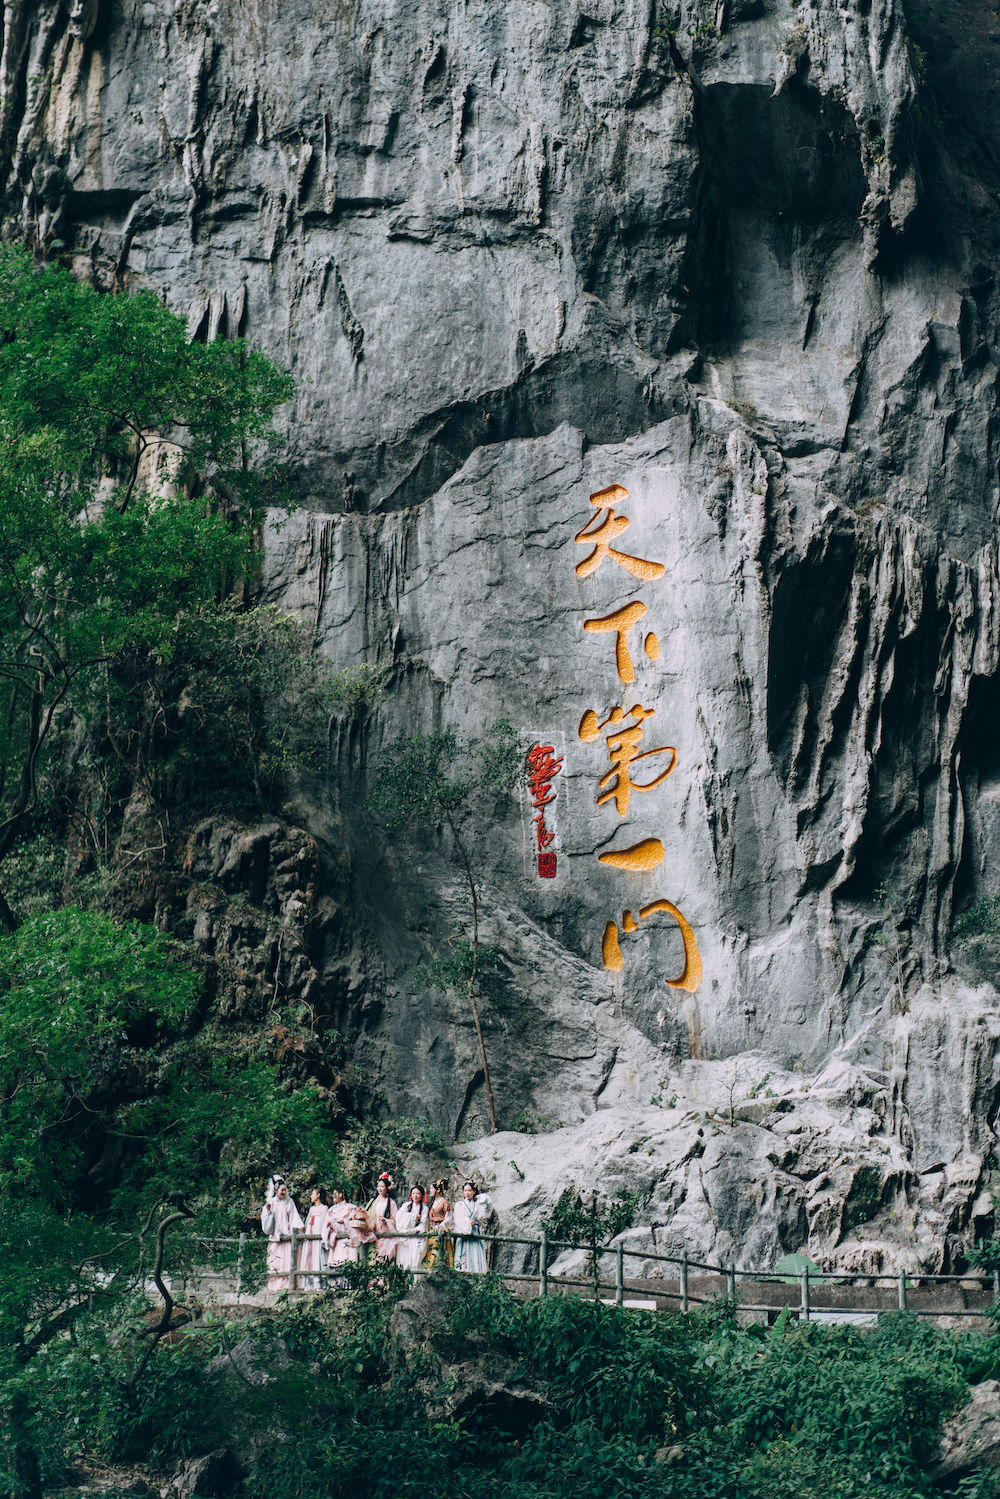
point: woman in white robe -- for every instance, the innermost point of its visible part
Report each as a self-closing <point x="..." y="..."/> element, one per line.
<point x="468" y="1216"/>
<point x="312" y="1255"/>
<point x="279" y="1216"/>
<point x="382" y="1211"/>
<point x="411" y="1217"/>
<point x="339" y="1249"/>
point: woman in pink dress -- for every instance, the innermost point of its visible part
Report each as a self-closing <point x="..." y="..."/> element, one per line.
<point x="348" y="1227"/>
<point x="382" y="1211"/>
<point x="312" y="1255"/>
<point x="278" y="1217"/>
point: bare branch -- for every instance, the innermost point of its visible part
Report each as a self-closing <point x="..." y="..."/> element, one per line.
<point x="155" y="1334"/>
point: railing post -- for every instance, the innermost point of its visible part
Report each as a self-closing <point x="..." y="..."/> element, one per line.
<point x="543" y="1264"/>
<point x="902" y="1290"/>
<point x="804" y="1279"/>
<point x="293" y="1281"/>
<point x="619" y="1275"/>
<point x="684" y="1281"/>
<point x="239" y="1265"/>
<point x="996" y="1285"/>
<point x="731" y="1284"/>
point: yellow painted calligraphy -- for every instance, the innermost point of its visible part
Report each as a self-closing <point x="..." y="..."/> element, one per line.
<point x="691" y="974"/>
<point x="602" y="532"/>
<point x="621" y="621"/>
<point x="638" y="859"/>
<point x="623" y="751"/>
<point x="612" y="495"/>
<point x="610" y="951"/>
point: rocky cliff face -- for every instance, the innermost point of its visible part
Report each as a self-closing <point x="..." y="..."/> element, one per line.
<point x="738" y="259"/>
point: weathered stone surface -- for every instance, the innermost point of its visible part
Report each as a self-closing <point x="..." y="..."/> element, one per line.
<point x="720" y="256"/>
<point x="739" y="1163"/>
<point x="971" y="1438"/>
<point x="460" y="1376"/>
<point x="208" y="1476"/>
<point x="247" y="1363"/>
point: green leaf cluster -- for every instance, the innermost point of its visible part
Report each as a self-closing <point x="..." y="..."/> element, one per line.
<point x="102" y="549"/>
<point x="592" y="1220"/>
<point x="115" y="1101"/>
<point x="231" y="704"/>
<point x="631" y="1405"/>
<point x="421" y="778"/>
<point x="87" y="379"/>
<point x="78" y="991"/>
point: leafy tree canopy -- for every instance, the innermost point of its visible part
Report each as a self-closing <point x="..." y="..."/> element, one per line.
<point x="118" y="1117"/>
<point x="422" y="778"/>
<point x="102" y="552"/>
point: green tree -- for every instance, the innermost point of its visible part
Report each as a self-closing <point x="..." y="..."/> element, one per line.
<point x="111" y="1137"/>
<point x="426" y="779"/>
<point x="593" y="1221"/>
<point x="241" y="701"/>
<point x="101" y="552"/>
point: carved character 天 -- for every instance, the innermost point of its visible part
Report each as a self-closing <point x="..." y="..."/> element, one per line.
<point x="602" y="530"/>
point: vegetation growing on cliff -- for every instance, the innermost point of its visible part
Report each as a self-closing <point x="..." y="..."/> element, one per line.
<point x="550" y="1399"/>
<point x="129" y="485"/>
<point x="138" y="685"/>
<point x="427" y="779"/>
<point x="110" y="1118"/>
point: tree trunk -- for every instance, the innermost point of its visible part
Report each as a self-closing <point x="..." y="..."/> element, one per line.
<point x="24" y="1459"/>
<point x="39" y="721"/>
<point x="473" y="1005"/>
<point x="8" y="921"/>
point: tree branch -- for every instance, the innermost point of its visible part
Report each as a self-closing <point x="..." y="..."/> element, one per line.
<point x="475" y="965"/>
<point x="163" y="1326"/>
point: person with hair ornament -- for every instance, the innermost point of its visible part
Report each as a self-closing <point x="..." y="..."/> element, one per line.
<point x="278" y="1217"/>
<point x="469" y="1214"/>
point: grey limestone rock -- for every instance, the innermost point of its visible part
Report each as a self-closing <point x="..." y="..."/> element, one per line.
<point x="459" y="1376"/>
<point x="724" y="256"/>
<point x="971" y="1438"/>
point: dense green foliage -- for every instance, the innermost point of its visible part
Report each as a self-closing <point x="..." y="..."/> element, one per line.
<point x="109" y="1113"/>
<point x="635" y="1406"/>
<point x="111" y="1100"/>
<point x="239" y="701"/>
<point x="104" y="552"/>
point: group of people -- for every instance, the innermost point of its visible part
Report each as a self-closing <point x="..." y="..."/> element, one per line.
<point x="337" y="1232"/>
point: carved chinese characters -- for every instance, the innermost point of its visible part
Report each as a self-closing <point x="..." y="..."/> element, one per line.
<point x="623" y="751"/>
<point x="624" y="730"/>
<point x="542" y="768"/>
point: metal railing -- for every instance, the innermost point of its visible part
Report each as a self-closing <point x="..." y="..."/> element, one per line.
<point x="695" y="1282"/>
